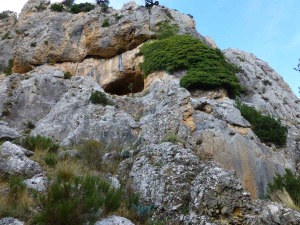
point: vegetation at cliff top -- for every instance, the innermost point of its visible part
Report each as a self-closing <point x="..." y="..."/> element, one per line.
<point x="4" y="15"/>
<point x="267" y="128"/>
<point x="73" y="8"/>
<point x="286" y="189"/>
<point x="82" y="7"/>
<point x="206" y="68"/>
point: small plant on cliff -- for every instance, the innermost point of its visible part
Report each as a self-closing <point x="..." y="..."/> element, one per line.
<point x="170" y="137"/>
<point x="286" y="189"/>
<point x="267" y="128"/>
<point x="4" y="15"/>
<point x="6" y="35"/>
<point x="41" y="7"/>
<point x="68" y="3"/>
<point x="82" y="7"/>
<point x="105" y="23"/>
<point x="206" y="68"/>
<point x="103" y="4"/>
<point x="166" y="30"/>
<point x="8" y="69"/>
<point x="67" y="75"/>
<point x="98" y="97"/>
<point x="57" y="7"/>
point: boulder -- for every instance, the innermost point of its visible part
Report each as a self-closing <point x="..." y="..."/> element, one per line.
<point x="13" y="161"/>
<point x="8" y="133"/>
<point x="114" y="220"/>
<point x="10" y="221"/>
<point x="38" y="182"/>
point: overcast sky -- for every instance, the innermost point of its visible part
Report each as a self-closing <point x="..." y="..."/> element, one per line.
<point x="267" y="28"/>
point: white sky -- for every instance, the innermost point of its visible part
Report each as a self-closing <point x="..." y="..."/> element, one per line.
<point x="17" y="5"/>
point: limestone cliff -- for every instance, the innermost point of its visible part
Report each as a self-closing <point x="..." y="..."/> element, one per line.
<point x="214" y="144"/>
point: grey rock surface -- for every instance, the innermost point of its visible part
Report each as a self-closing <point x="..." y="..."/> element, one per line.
<point x="38" y="182"/>
<point x="8" y="133"/>
<point x="162" y="175"/>
<point x="267" y="92"/>
<point x="10" y="221"/>
<point x="114" y="220"/>
<point x="14" y="162"/>
<point x="73" y="37"/>
<point x="7" y="39"/>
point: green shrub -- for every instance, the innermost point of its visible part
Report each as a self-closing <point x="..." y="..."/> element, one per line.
<point x="51" y="159"/>
<point x="103" y="4"/>
<point x="98" y="97"/>
<point x="171" y="137"/>
<point x="41" y="7"/>
<point x="290" y="182"/>
<point x="267" y="82"/>
<point x="267" y="128"/>
<point x="92" y="152"/>
<point x="74" y="201"/>
<point x="68" y="3"/>
<point x="6" y="35"/>
<point x="105" y="23"/>
<point x="39" y="142"/>
<point x="30" y="125"/>
<point x="113" y="199"/>
<point x="8" y="69"/>
<point x="166" y="30"/>
<point x="82" y="7"/>
<point x="67" y="75"/>
<point x="118" y="17"/>
<point x="4" y="15"/>
<point x="57" y="7"/>
<point x="207" y="67"/>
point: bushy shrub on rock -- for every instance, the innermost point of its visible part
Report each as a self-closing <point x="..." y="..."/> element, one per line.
<point x="206" y="68"/>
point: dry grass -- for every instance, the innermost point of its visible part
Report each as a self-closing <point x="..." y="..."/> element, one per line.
<point x="283" y="197"/>
<point x="16" y="206"/>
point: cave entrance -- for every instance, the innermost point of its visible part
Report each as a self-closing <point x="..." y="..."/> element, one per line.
<point x="132" y="83"/>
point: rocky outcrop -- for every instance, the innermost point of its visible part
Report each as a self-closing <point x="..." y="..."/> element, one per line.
<point x="7" y="132"/>
<point x="117" y="75"/>
<point x="212" y="127"/>
<point x="266" y="90"/>
<point x="114" y="220"/>
<point x="7" y="38"/>
<point x="13" y="161"/>
<point x="38" y="182"/>
<point x="184" y="190"/>
<point x="72" y="38"/>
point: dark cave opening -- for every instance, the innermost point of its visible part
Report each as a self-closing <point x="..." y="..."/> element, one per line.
<point x="130" y="84"/>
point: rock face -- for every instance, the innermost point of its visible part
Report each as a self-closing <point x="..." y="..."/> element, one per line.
<point x="7" y="132"/>
<point x="7" y="38"/>
<point x="72" y="38"/>
<point x="268" y="92"/>
<point x="191" y="156"/>
<point x="212" y="127"/>
<point x="184" y="190"/>
<point x="13" y="161"/>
